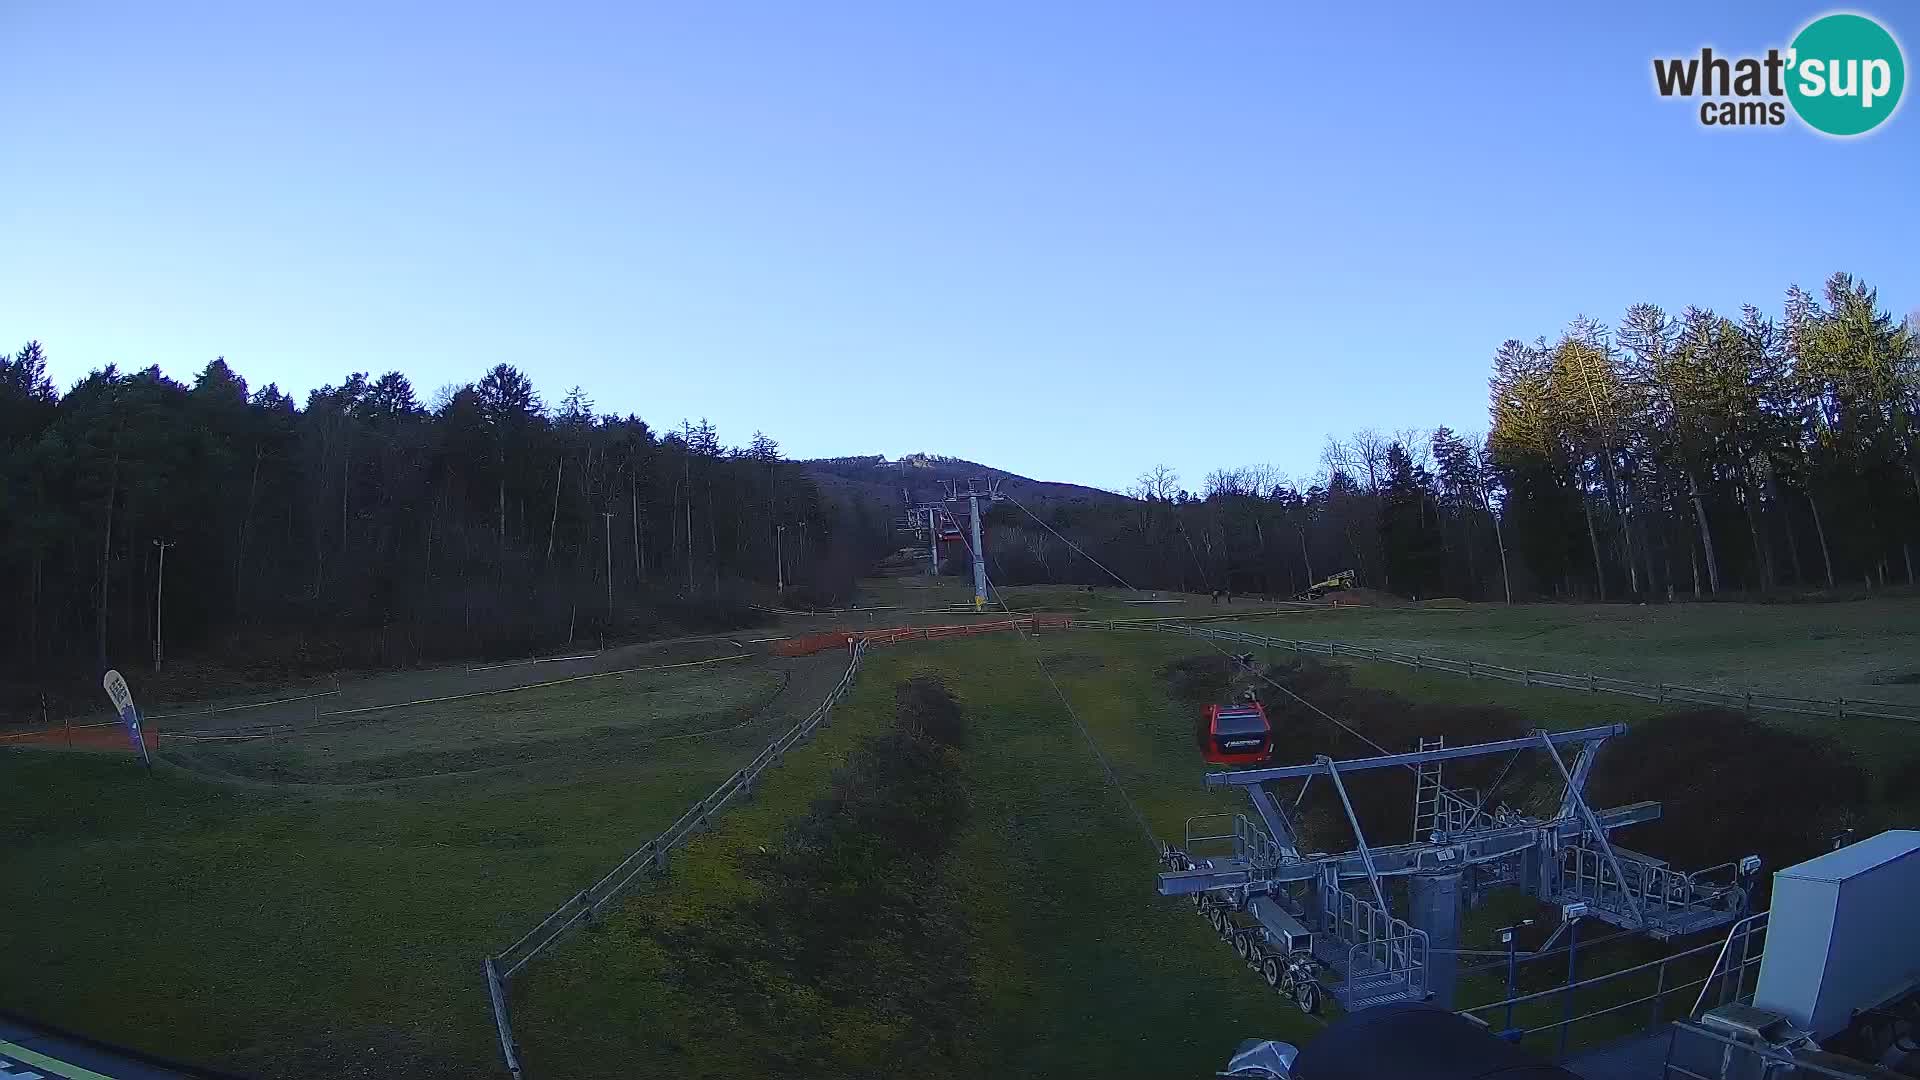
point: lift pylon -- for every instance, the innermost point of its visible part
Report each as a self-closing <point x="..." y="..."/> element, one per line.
<point x="976" y="490"/>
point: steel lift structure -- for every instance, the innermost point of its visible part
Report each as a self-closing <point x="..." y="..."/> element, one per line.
<point x="931" y="524"/>
<point x="1310" y="922"/>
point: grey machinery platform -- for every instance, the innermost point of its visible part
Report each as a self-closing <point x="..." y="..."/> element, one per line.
<point x="1277" y="903"/>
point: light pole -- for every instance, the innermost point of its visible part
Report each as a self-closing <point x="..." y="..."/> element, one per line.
<point x="608" y="514"/>
<point x="933" y="541"/>
<point x="779" y="559"/>
<point x="689" y="483"/>
<point x="1570" y="914"/>
<point x="1506" y="938"/>
<point x="159" y="595"/>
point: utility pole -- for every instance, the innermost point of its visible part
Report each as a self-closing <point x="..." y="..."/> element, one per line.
<point x="933" y="541"/>
<point x="976" y="490"/>
<point x="689" y="481"/>
<point x="780" y="559"/>
<point x="608" y="514"/>
<point x="159" y="595"/>
<point x="1506" y="938"/>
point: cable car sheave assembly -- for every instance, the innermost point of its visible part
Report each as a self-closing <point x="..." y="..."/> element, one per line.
<point x="1316" y="922"/>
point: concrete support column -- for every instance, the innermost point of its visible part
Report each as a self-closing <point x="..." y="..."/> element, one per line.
<point x="1434" y="901"/>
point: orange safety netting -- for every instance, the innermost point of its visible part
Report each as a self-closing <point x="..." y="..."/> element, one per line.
<point x="110" y="736"/>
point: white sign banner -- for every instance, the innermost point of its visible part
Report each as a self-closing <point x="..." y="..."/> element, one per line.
<point x="122" y="698"/>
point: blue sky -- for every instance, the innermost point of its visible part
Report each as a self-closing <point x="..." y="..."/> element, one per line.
<point x="1067" y="240"/>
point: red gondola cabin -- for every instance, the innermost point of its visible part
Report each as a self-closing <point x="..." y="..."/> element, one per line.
<point x="1235" y="734"/>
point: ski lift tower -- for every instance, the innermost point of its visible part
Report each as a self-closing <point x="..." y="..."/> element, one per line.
<point x="976" y="490"/>
<point x="928" y="517"/>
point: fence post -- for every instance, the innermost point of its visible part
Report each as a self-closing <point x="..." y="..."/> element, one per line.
<point x="1418" y="661"/>
<point x="497" y="993"/>
<point x="1526" y="677"/>
<point x="1589" y="682"/>
<point x="1470" y="669"/>
<point x="1749" y="702"/>
<point x="1660" y="693"/>
<point x="1840" y="708"/>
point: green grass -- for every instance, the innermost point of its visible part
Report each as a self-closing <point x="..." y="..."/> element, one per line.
<point x="920" y="601"/>
<point x="594" y="1006"/>
<point x="1887" y="749"/>
<point x="593" y="719"/>
<point x="311" y="701"/>
<point x="282" y="930"/>
<point x="1859" y="649"/>
<point x="271" y="925"/>
<point x="1083" y="969"/>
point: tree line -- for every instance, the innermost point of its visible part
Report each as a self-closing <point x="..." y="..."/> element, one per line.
<point x="364" y="527"/>
<point x="1665" y="456"/>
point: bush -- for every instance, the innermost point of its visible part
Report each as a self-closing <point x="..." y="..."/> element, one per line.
<point x="925" y="707"/>
<point x="851" y="958"/>
<point x="1730" y="786"/>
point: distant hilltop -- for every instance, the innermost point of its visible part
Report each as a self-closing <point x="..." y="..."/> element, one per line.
<point x="919" y="477"/>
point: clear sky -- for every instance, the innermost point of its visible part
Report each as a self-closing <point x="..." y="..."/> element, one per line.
<point x="1070" y="240"/>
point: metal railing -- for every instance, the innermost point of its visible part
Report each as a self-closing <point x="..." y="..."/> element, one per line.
<point x="1659" y="895"/>
<point x="650" y="857"/>
<point x="1745" y="932"/>
<point x="1751" y="701"/>
<point x="1249" y="841"/>
<point x="1384" y="952"/>
<point x="1666" y="983"/>
<point x="1713" y="1055"/>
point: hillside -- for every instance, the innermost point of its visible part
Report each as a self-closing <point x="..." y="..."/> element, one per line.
<point x="879" y="482"/>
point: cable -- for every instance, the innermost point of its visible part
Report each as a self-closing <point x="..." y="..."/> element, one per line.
<point x="1106" y="766"/>
<point x="1071" y="544"/>
<point x="1488" y="797"/>
<point x="1303" y="701"/>
<point x="1194" y="555"/>
<point x="1324" y="714"/>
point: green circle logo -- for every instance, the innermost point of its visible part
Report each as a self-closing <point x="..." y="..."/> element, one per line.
<point x="1845" y="74"/>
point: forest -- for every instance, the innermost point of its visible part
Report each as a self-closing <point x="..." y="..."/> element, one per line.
<point x="1688" y="456"/>
<point x="365" y="528"/>
<point x="1664" y="457"/>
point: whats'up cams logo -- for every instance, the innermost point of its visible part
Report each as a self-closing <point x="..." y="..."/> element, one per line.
<point x="1842" y="75"/>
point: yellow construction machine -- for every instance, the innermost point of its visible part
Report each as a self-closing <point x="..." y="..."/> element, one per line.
<point x="1337" y="583"/>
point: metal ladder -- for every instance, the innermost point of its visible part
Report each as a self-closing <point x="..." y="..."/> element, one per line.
<point x="1426" y="791"/>
<point x="1435" y="808"/>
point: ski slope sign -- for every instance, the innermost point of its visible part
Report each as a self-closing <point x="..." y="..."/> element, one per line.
<point x="122" y="699"/>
